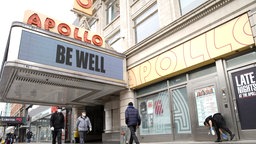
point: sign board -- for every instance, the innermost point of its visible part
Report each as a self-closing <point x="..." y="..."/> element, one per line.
<point x="219" y="42"/>
<point x="244" y="83"/>
<point x="52" y="25"/>
<point x="84" y="6"/>
<point x="206" y="103"/>
<point x="12" y="120"/>
<point x="45" y="50"/>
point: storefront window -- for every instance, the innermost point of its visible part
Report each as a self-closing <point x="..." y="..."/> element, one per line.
<point x="152" y="88"/>
<point x="181" y="111"/>
<point x="203" y="71"/>
<point x="41" y="130"/>
<point x="248" y="57"/>
<point x="155" y="114"/>
<point x="177" y="80"/>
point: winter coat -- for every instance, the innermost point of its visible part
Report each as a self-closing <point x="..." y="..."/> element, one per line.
<point x="217" y="120"/>
<point x="83" y="123"/>
<point x="29" y="134"/>
<point x="57" y="120"/>
<point x="132" y="117"/>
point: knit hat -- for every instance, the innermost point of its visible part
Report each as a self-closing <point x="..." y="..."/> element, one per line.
<point x="130" y="104"/>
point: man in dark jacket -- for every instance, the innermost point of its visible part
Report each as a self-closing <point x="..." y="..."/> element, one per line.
<point x="29" y="136"/>
<point x="217" y="121"/>
<point x="57" y="125"/>
<point x="132" y="120"/>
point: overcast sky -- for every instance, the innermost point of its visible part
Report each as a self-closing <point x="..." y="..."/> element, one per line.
<point x="13" y="10"/>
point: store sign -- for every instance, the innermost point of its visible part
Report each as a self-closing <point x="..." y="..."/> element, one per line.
<point x="245" y="83"/>
<point x="12" y="120"/>
<point x="221" y="41"/>
<point x="83" y="6"/>
<point x="49" y="51"/>
<point x="50" y="24"/>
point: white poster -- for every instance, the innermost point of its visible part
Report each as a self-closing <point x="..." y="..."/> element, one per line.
<point x="150" y="106"/>
<point x="206" y="103"/>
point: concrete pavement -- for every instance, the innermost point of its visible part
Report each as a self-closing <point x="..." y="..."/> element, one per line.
<point x="179" y="142"/>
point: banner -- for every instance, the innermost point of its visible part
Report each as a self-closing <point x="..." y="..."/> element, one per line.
<point x="244" y="83"/>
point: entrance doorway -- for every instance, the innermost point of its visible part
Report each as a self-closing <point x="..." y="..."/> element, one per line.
<point x="97" y="118"/>
<point x="243" y="86"/>
<point x="204" y="98"/>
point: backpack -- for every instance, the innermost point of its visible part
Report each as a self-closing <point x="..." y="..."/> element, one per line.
<point x="29" y="134"/>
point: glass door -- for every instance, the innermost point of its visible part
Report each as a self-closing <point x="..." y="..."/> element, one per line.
<point x="204" y="97"/>
<point x="181" y="114"/>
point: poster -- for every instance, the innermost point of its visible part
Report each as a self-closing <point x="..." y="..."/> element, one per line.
<point x="206" y="103"/>
<point x="244" y="83"/>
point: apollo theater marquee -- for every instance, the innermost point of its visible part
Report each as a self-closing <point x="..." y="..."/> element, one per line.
<point x="51" y="62"/>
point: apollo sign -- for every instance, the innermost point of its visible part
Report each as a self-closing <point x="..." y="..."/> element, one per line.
<point x="70" y="55"/>
<point x="50" y="24"/>
<point x="83" y="6"/>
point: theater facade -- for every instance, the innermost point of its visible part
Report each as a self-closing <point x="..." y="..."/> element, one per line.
<point x="178" y="61"/>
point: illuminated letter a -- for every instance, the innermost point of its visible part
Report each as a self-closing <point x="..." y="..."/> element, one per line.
<point x="34" y="20"/>
<point x="86" y="6"/>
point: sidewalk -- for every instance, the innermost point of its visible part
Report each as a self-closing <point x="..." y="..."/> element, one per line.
<point x="179" y="142"/>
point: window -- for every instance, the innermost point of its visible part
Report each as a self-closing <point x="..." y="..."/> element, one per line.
<point x="188" y="5"/>
<point x="115" y="43"/>
<point x="155" y="114"/>
<point x="238" y="60"/>
<point x="93" y="26"/>
<point x="206" y="70"/>
<point x="113" y="10"/>
<point x="181" y="111"/>
<point x="147" y="23"/>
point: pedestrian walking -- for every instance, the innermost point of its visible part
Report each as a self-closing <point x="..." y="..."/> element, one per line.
<point x="218" y="123"/>
<point x="133" y="121"/>
<point x="82" y="125"/>
<point x="29" y="135"/>
<point x="57" y="125"/>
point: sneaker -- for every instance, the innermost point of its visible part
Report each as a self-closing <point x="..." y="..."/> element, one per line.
<point x="232" y="136"/>
<point x="218" y="140"/>
<point x="224" y="136"/>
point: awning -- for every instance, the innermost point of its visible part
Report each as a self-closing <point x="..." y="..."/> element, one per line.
<point x="30" y="73"/>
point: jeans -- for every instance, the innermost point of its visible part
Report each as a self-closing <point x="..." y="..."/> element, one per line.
<point x="133" y="135"/>
<point x="28" y="140"/>
<point x="82" y="136"/>
<point x="56" y="134"/>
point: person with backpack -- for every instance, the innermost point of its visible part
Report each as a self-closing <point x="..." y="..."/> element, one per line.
<point x="29" y="135"/>
<point x="133" y="121"/>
